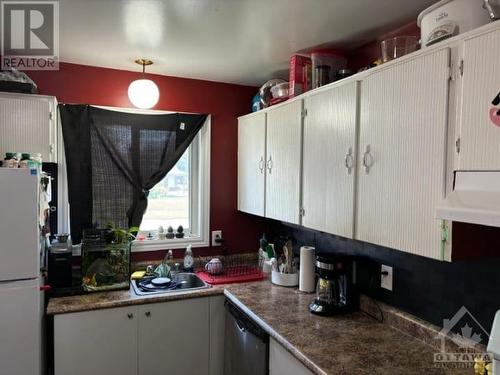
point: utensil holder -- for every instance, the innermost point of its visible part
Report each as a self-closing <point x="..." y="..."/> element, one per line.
<point x="285" y="279"/>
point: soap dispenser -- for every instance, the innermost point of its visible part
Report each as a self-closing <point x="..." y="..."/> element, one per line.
<point x="188" y="259"/>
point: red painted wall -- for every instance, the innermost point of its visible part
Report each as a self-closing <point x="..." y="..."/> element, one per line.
<point x="225" y="102"/>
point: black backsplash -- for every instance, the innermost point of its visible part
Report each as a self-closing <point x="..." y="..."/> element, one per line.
<point x="429" y="289"/>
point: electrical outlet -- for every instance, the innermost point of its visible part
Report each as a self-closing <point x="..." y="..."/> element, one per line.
<point x="216" y="237"/>
<point x="386" y="277"/>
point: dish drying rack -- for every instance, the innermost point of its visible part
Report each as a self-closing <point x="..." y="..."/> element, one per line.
<point x="235" y="269"/>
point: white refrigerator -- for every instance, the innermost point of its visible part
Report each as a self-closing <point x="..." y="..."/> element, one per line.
<point x="21" y="306"/>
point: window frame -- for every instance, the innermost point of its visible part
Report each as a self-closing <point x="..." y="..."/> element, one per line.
<point x="199" y="198"/>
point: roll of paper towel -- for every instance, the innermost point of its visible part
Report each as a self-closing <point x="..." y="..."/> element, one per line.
<point x="307" y="271"/>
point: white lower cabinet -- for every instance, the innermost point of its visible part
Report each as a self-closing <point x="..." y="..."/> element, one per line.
<point x="217" y="334"/>
<point x="96" y="342"/>
<point x="174" y="337"/>
<point x="283" y="363"/>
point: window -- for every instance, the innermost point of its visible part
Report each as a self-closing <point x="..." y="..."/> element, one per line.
<point x="181" y="198"/>
<point x="169" y="200"/>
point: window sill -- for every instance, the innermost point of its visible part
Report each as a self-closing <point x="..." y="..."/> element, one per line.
<point x="175" y="243"/>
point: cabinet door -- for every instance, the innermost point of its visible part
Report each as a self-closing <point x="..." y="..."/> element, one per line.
<point x="217" y="334"/>
<point x="174" y="337"/>
<point x="251" y="163"/>
<point x="20" y="327"/>
<point x="402" y="154"/>
<point x="282" y="362"/>
<point x="479" y="125"/>
<point x="27" y="124"/>
<point x="329" y="160"/>
<point x="284" y="157"/>
<point x="96" y="342"/>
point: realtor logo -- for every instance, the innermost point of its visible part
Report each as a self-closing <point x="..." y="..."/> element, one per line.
<point x="29" y="35"/>
<point x="470" y="334"/>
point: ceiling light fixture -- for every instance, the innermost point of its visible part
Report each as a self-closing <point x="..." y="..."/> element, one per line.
<point x="143" y="93"/>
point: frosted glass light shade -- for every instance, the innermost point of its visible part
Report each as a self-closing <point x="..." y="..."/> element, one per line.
<point x="143" y="93"/>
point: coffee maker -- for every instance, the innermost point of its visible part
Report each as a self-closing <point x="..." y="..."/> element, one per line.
<point x="336" y="287"/>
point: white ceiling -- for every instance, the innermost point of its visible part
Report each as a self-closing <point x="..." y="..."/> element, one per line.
<point x="237" y="41"/>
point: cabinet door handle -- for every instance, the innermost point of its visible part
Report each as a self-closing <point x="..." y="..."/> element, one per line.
<point x="147" y="313"/>
<point x="130" y="316"/>
<point x="270" y="164"/>
<point x="261" y="164"/>
<point x="349" y="160"/>
<point x="367" y="159"/>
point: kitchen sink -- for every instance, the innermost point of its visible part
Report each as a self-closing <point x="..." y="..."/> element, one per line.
<point x="189" y="281"/>
<point x="181" y="282"/>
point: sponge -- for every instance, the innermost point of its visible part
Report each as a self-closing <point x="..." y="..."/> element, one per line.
<point x="137" y="275"/>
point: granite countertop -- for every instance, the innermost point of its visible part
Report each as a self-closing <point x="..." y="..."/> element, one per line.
<point x="352" y="343"/>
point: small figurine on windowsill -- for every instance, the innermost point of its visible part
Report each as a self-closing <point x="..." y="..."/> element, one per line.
<point x="170" y="233"/>
<point x="161" y="233"/>
<point x="180" y="232"/>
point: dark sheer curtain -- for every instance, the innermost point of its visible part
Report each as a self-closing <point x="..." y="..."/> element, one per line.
<point x="114" y="158"/>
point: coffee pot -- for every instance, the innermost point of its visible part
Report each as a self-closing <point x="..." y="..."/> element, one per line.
<point x="335" y="288"/>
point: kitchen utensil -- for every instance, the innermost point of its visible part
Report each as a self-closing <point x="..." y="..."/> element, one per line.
<point x="448" y="18"/>
<point x="280" y="90"/>
<point x="161" y="281"/>
<point x="321" y="75"/>
<point x="325" y="64"/>
<point x="393" y="48"/>
<point x="150" y="270"/>
<point x="335" y="292"/>
<point x="265" y="91"/>
<point x="493" y="8"/>
<point x="270" y="251"/>
<point x="289" y="256"/>
<point x="263" y="242"/>
<point x="274" y="264"/>
<point x="214" y="267"/>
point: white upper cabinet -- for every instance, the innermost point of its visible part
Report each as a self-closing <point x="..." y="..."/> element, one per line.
<point x="478" y="133"/>
<point x="329" y="160"/>
<point x="28" y="124"/>
<point x="283" y="164"/>
<point x="251" y="163"/>
<point x="402" y="157"/>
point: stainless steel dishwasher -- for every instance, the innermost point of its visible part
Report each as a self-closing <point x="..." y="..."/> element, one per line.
<point x="246" y="344"/>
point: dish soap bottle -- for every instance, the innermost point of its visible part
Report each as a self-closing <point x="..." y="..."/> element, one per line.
<point x="188" y="259"/>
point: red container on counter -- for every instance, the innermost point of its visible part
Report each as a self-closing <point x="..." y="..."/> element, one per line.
<point x="300" y="75"/>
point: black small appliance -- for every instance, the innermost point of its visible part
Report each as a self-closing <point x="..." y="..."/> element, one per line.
<point x="335" y="290"/>
<point x="60" y="270"/>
